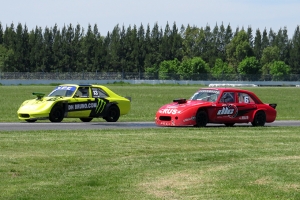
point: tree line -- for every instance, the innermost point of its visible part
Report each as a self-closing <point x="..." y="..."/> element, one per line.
<point x="184" y="51"/>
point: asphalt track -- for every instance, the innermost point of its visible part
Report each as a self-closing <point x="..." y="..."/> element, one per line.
<point x="25" y="126"/>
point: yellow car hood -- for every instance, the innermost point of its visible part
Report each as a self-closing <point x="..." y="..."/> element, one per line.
<point x="34" y="105"/>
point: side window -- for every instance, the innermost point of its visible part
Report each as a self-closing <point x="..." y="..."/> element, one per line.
<point x="82" y="92"/>
<point x="228" y="97"/>
<point x="245" y="98"/>
<point x="99" y="93"/>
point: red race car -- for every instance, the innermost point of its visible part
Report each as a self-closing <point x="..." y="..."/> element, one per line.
<point x="217" y="105"/>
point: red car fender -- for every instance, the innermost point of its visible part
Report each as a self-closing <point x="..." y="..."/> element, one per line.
<point x="270" y="115"/>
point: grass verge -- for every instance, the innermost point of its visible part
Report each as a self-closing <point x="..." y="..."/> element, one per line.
<point x="160" y="163"/>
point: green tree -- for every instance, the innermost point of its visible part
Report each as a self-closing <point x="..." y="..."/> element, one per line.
<point x="279" y="70"/>
<point x="265" y="40"/>
<point x="283" y="43"/>
<point x="76" y="50"/>
<point x="36" y="54"/>
<point x="114" y="50"/>
<point x="250" y="36"/>
<point x="1" y="34"/>
<point x="88" y="43"/>
<point x="238" y="49"/>
<point x="168" y="69"/>
<point x="166" y="44"/>
<point x="294" y="60"/>
<point x="141" y="56"/>
<point x="176" y="49"/>
<point x="153" y="57"/>
<point x="193" y="69"/>
<point x="222" y="71"/>
<point x="47" y="61"/>
<point x="58" y="51"/>
<point x="272" y="37"/>
<point x="193" y="40"/>
<point x="269" y="55"/>
<point x="249" y="67"/>
<point x="257" y="48"/>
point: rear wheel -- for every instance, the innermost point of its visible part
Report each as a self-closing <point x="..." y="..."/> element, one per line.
<point x="86" y="119"/>
<point x="56" y="114"/>
<point x="201" y="118"/>
<point x="113" y="114"/>
<point x="259" y="119"/>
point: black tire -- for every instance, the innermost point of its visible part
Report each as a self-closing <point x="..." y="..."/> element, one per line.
<point x="86" y="119"/>
<point x="201" y="118"/>
<point x="229" y="124"/>
<point x="30" y="120"/>
<point x="113" y="114"/>
<point x="56" y="114"/>
<point x="259" y="118"/>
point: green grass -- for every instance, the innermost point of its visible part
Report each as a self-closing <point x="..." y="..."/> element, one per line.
<point x="159" y="163"/>
<point x="146" y="99"/>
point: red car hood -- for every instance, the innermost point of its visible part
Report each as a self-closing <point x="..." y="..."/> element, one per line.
<point x="175" y="107"/>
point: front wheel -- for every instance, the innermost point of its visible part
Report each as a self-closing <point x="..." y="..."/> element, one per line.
<point x="56" y="114"/>
<point x="113" y="114"/>
<point x="259" y="118"/>
<point x="201" y="118"/>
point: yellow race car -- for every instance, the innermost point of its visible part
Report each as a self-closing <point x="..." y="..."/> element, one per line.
<point x="75" y="101"/>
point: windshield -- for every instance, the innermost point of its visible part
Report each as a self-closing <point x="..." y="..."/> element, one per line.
<point x="63" y="91"/>
<point x="206" y="95"/>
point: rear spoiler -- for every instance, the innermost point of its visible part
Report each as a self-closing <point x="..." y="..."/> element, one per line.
<point x="273" y="105"/>
<point x="180" y="101"/>
<point x="129" y="98"/>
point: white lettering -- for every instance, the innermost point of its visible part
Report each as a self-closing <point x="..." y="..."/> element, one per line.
<point x="225" y="111"/>
<point x="168" y="111"/>
<point x="70" y="107"/>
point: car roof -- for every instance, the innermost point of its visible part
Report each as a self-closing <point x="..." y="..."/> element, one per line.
<point x="227" y="89"/>
<point x="252" y="94"/>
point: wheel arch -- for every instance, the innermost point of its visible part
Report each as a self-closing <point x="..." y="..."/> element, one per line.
<point x="108" y="106"/>
<point x="257" y="110"/>
<point x="205" y="109"/>
<point x="63" y="104"/>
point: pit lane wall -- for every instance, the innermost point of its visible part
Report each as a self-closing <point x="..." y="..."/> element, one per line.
<point x="154" y="82"/>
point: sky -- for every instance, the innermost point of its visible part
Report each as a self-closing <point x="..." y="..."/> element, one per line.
<point x="257" y="14"/>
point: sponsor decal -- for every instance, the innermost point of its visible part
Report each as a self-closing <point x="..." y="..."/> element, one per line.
<point x="65" y="88"/>
<point x="165" y="123"/>
<point x="71" y="88"/>
<point x="210" y="91"/>
<point x="190" y="119"/>
<point x="243" y="117"/>
<point x="173" y="106"/>
<point x="168" y="111"/>
<point x="228" y="110"/>
<point x="81" y="106"/>
<point x="100" y="106"/>
<point x="96" y="106"/>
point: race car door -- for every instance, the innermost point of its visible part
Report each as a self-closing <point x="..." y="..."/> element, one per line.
<point x="225" y="110"/>
<point x="246" y="106"/>
<point x="234" y="107"/>
<point x="81" y="104"/>
<point x="99" y="97"/>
